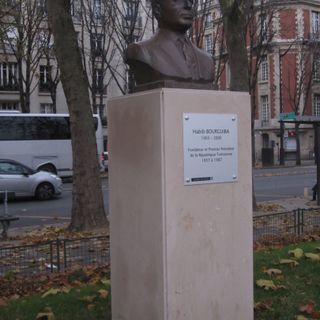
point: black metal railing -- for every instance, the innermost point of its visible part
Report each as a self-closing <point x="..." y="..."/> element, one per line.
<point x="278" y="227"/>
<point x="54" y="256"/>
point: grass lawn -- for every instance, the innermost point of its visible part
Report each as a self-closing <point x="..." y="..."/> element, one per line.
<point x="82" y="303"/>
<point x="300" y="295"/>
<point x="293" y="291"/>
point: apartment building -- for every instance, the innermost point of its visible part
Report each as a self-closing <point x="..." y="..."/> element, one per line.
<point x="288" y="75"/>
<point x="29" y="75"/>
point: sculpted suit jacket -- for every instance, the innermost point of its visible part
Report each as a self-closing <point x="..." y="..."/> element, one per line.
<point x="163" y="57"/>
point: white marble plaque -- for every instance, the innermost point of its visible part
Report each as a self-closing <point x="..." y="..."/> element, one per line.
<point x="210" y="148"/>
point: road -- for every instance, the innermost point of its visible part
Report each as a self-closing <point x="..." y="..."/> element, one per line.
<point x="270" y="184"/>
<point x="58" y="210"/>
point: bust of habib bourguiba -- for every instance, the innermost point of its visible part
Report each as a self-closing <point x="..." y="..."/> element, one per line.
<point x="169" y="56"/>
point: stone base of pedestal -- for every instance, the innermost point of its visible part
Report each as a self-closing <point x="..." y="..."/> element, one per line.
<point x="177" y="251"/>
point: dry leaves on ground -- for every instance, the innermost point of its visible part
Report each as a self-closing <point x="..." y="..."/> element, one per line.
<point x="15" y="286"/>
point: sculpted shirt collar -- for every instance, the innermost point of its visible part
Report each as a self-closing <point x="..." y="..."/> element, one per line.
<point x="172" y="35"/>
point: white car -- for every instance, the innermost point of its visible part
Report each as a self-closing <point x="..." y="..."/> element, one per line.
<point x="23" y="181"/>
<point x="105" y="160"/>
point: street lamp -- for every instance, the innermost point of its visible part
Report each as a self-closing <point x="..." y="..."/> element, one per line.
<point x="281" y="110"/>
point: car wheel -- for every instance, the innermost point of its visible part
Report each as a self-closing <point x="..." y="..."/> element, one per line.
<point x="44" y="191"/>
<point x="49" y="168"/>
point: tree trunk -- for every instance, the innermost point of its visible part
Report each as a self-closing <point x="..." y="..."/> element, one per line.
<point x="87" y="201"/>
<point x="234" y="24"/>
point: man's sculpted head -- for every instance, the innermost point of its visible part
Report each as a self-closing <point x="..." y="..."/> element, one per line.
<point x="176" y="15"/>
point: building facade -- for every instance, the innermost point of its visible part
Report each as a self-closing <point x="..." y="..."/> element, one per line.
<point x="29" y="75"/>
<point x="287" y="73"/>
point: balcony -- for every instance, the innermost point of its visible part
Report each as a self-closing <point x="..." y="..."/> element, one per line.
<point x="314" y="36"/>
<point x="44" y="87"/>
<point x="9" y="87"/>
<point x="265" y="123"/>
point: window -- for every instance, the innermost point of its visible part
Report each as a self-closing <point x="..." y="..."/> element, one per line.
<point x="42" y="7"/>
<point x="45" y="39"/>
<point x="11" y="35"/>
<point x="208" y="20"/>
<point x="131" y="14"/>
<point x="264" y="74"/>
<point x="315" y="24"/>
<point x="316" y="105"/>
<point x="98" y="81"/>
<point x="8" y="76"/>
<point x="44" y="81"/>
<point x="46" y="108"/>
<point x="209" y="43"/>
<point x="263" y="27"/>
<point x="265" y="111"/>
<point x="34" y="128"/>
<point x="76" y="9"/>
<point x="316" y="67"/>
<point x="9" y="105"/>
<point x="7" y="167"/>
<point x="97" y="9"/>
<point x="96" y="43"/>
<point x="131" y="8"/>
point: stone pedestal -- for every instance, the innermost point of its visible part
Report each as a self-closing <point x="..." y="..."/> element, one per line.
<point x="177" y="251"/>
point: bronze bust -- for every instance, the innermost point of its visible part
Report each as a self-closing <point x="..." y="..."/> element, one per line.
<point x="169" y="58"/>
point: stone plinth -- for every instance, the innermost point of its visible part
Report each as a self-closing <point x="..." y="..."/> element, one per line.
<point x="177" y="251"/>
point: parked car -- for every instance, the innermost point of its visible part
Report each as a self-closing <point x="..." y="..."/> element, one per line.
<point x="105" y="160"/>
<point x="24" y="181"/>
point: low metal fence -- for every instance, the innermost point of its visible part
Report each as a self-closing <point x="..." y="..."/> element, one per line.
<point x="277" y="227"/>
<point x="54" y="256"/>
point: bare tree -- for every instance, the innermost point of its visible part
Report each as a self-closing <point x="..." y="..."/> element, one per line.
<point x="234" y="22"/>
<point x="19" y="37"/>
<point x="87" y="201"/>
<point x="301" y="73"/>
<point x="207" y="32"/>
<point x="130" y="19"/>
<point x="98" y="53"/>
<point x="51" y="66"/>
<point x="260" y="35"/>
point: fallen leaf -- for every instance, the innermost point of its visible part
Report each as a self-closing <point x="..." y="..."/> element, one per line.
<point x="45" y="316"/>
<point x="87" y="298"/>
<point x="103" y="293"/>
<point x="266" y="284"/>
<point x="105" y="282"/>
<point x="3" y="302"/>
<point x="307" y="308"/>
<point x="297" y="253"/>
<point x="312" y="256"/>
<point x="90" y="306"/>
<point x="51" y="291"/>
<point x="289" y="262"/>
<point x="14" y="297"/>
<point x="263" y="305"/>
<point x="271" y="272"/>
<point x="65" y="290"/>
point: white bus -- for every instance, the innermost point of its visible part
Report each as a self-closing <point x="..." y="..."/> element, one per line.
<point x="42" y="141"/>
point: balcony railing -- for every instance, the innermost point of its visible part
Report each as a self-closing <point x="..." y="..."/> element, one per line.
<point x="265" y="123"/>
<point x="314" y="36"/>
<point x="44" y="87"/>
<point x="9" y="87"/>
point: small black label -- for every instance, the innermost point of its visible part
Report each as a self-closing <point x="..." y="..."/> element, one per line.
<point x="201" y="179"/>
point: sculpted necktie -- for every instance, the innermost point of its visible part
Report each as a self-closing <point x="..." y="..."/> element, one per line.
<point x="190" y="58"/>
